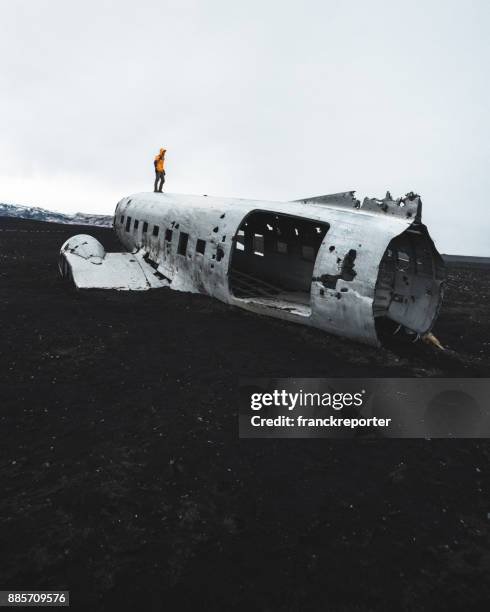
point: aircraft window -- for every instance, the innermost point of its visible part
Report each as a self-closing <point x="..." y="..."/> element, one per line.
<point x="145" y="227"/>
<point x="403" y="261"/>
<point x="200" y="246"/>
<point x="136" y="224"/>
<point x="183" y="239"/>
<point x="122" y="219"/>
<point x="168" y="235"/>
<point x="156" y="230"/>
<point x="240" y="241"/>
<point x="128" y="224"/>
<point x="259" y="244"/>
<point x="282" y="247"/>
<point x="308" y="253"/>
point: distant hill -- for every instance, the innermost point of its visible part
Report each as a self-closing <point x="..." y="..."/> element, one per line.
<point x="466" y="259"/>
<point x="41" y="214"/>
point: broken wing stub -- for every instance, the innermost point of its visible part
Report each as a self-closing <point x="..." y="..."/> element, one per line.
<point x="84" y="261"/>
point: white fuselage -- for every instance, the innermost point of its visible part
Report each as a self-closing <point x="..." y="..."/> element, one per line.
<point x="314" y="262"/>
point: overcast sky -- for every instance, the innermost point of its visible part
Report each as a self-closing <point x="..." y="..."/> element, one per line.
<point x="258" y="99"/>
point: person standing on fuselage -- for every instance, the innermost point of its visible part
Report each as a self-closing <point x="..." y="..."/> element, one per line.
<point x="159" y="170"/>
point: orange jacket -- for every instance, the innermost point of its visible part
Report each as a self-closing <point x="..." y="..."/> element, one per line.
<point x="159" y="159"/>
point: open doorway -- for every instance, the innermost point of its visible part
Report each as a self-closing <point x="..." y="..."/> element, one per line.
<point x="273" y="259"/>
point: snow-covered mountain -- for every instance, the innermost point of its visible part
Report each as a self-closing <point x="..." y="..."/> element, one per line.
<point x="41" y="214"/>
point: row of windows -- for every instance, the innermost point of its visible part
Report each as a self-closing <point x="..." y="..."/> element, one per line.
<point x="137" y="224"/>
<point x="307" y="252"/>
<point x="183" y="237"/>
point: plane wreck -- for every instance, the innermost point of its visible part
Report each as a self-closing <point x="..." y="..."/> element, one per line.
<point x="330" y="262"/>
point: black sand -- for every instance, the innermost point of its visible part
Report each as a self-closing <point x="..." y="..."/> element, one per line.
<point x="124" y="481"/>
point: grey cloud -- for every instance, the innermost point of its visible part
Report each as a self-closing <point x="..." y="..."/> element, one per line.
<point x="262" y="99"/>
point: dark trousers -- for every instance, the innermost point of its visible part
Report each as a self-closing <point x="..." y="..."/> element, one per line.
<point x="159" y="176"/>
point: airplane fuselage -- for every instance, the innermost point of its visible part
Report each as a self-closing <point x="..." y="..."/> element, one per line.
<point x="327" y="262"/>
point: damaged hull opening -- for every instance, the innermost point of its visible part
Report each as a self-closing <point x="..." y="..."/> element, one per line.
<point x="408" y="290"/>
<point x="273" y="259"/>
